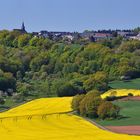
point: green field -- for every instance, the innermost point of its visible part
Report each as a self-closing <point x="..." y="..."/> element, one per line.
<point x="131" y="84"/>
<point x="130" y="112"/>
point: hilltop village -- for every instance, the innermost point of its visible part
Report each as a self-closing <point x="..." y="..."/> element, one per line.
<point x="87" y="35"/>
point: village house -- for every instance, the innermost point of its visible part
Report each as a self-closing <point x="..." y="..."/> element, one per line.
<point x="136" y="37"/>
<point x="100" y="36"/>
<point x="126" y="33"/>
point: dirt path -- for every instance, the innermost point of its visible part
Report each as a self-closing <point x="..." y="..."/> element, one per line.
<point x="132" y="130"/>
<point x="133" y="98"/>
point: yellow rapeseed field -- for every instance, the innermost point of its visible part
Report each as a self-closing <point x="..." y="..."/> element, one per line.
<point x="121" y="92"/>
<point x="48" y="119"/>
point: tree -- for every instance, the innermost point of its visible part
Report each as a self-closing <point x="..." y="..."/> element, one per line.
<point x="37" y="62"/>
<point x="67" y="89"/>
<point x="137" y="30"/>
<point x="24" y="88"/>
<point x="76" y="102"/>
<point x="108" y="110"/>
<point x="23" y="40"/>
<point x="98" y="81"/>
<point x="89" y="105"/>
<point x="34" y="41"/>
<point x="2" y="101"/>
<point x="7" y="81"/>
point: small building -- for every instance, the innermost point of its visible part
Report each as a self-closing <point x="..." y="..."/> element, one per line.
<point x="126" y="33"/>
<point x="100" y="36"/>
<point x="136" y="37"/>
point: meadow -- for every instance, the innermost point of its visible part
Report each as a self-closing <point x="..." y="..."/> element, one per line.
<point x="130" y="84"/>
<point x="130" y="114"/>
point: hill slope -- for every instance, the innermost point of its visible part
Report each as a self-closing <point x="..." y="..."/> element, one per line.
<point x="46" y="119"/>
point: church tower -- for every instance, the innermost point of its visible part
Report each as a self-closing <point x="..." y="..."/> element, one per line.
<point x="23" y="27"/>
<point x="22" y="30"/>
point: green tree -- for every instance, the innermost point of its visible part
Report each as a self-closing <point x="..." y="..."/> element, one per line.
<point x="108" y="110"/>
<point x="23" y="40"/>
<point x="98" y="81"/>
<point x="76" y="102"/>
<point x="89" y="105"/>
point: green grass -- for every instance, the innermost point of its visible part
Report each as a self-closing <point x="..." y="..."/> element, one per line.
<point x="132" y="84"/>
<point x="130" y="110"/>
<point x="9" y="103"/>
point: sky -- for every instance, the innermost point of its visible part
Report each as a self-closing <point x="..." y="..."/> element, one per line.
<point x="69" y="15"/>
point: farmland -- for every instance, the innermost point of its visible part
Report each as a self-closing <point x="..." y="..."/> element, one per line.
<point x="121" y="92"/>
<point x="130" y="84"/>
<point x="49" y="119"/>
<point x="129" y="112"/>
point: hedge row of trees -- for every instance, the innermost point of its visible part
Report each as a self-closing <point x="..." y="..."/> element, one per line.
<point x="91" y="105"/>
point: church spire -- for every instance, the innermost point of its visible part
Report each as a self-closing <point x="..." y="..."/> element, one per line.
<point x="23" y="27"/>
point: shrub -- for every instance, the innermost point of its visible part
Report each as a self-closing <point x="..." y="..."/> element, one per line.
<point x="76" y="102"/>
<point x="18" y="98"/>
<point x="111" y="98"/>
<point x="67" y="89"/>
<point x="98" y="81"/>
<point x="130" y="94"/>
<point x="108" y="110"/>
<point x="89" y="105"/>
<point x="2" y="101"/>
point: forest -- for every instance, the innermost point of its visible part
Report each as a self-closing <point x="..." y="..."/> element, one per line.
<point x="33" y="67"/>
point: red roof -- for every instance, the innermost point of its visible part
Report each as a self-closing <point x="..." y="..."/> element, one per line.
<point x="102" y="35"/>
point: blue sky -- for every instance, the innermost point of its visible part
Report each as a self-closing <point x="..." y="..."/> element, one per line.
<point x="69" y="15"/>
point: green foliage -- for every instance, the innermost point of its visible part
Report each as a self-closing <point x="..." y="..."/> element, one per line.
<point x="130" y="94"/>
<point x="137" y="30"/>
<point x="97" y="81"/>
<point x="129" y="114"/>
<point x="7" y="81"/>
<point x="63" y="69"/>
<point x="23" y="40"/>
<point x="2" y="101"/>
<point x="108" y="110"/>
<point x="67" y="89"/>
<point x="76" y="102"/>
<point x="40" y="60"/>
<point x="89" y="104"/>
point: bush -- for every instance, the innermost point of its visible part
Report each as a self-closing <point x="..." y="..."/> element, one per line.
<point x="76" y="102"/>
<point x="111" y="98"/>
<point x="2" y="101"/>
<point x="89" y="105"/>
<point x="130" y="94"/>
<point x="98" y="81"/>
<point x="7" y="81"/>
<point x="18" y="98"/>
<point x="108" y="110"/>
<point x="67" y="89"/>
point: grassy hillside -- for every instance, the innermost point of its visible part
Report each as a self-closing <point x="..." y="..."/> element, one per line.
<point x="130" y="112"/>
<point x="131" y="84"/>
